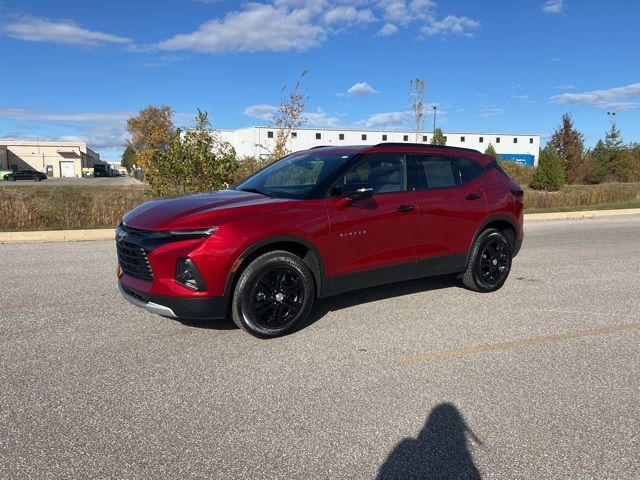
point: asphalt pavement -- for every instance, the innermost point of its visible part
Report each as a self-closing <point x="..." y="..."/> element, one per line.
<point x="415" y="380"/>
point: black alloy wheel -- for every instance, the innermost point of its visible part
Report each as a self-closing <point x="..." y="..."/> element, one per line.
<point x="489" y="262"/>
<point x="278" y="297"/>
<point x="274" y="294"/>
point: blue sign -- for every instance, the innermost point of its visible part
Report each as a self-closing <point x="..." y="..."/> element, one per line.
<point x="524" y="158"/>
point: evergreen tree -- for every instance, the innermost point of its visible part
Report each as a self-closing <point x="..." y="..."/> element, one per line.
<point x="492" y="152"/>
<point x="550" y="174"/>
<point x="438" y="137"/>
<point x="611" y="160"/>
<point x="569" y="145"/>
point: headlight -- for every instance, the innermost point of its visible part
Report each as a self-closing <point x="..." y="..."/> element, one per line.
<point x="200" y="232"/>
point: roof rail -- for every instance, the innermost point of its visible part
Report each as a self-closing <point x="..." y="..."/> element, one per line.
<point x="404" y="144"/>
<point x="319" y="146"/>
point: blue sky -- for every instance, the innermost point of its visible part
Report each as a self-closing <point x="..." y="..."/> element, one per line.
<point x="78" y="69"/>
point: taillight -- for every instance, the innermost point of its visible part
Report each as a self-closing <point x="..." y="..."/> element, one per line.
<point x="518" y="193"/>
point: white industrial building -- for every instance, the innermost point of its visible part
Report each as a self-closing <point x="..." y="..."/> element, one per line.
<point x="258" y="141"/>
<point x="56" y="159"/>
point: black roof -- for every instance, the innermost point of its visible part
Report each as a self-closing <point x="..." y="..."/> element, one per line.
<point x="394" y="144"/>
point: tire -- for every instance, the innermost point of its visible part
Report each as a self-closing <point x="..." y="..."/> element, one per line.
<point x="489" y="262"/>
<point x="274" y="294"/>
<point x="36" y="178"/>
<point x="11" y="179"/>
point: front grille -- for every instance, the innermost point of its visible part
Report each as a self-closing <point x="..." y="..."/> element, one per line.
<point x="133" y="260"/>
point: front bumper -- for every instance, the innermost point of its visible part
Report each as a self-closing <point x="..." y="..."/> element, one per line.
<point x="203" y="308"/>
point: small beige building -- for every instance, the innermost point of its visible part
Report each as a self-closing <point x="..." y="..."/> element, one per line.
<point x="3" y="158"/>
<point x="56" y="159"/>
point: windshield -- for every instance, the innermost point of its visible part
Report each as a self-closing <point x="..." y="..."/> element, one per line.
<point x="294" y="176"/>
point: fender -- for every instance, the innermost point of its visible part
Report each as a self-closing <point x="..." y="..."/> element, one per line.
<point x="487" y="221"/>
<point x="313" y="260"/>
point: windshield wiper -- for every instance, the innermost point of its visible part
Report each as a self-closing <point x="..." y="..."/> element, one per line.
<point x="261" y="191"/>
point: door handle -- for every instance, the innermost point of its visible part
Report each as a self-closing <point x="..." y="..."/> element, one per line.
<point x="406" y="208"/>
<point x="473" y="196"/>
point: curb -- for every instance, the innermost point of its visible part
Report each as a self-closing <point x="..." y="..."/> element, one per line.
<point x="537" y="217"/>
<point x="109" y="234"/>
<point x="57" y="236"/>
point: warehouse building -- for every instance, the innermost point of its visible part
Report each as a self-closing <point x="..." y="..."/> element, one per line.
<point x="56" y="159"/>
<point x="258" y="141"/>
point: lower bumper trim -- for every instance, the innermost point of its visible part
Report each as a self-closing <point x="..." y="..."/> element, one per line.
<point x="149" y="306"/>
<point x="201" y="308"/>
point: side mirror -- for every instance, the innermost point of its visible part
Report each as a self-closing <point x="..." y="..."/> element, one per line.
<point x="358" y="191"/>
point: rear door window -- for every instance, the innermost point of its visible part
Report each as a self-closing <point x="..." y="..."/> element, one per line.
<point x="438" y="171"/>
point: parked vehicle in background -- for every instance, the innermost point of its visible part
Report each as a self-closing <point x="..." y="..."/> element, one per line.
<point x="317" y="223"/>
<point x="26" y="175"/>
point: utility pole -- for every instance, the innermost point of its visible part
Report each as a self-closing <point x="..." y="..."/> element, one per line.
<point x="435" y="109"/>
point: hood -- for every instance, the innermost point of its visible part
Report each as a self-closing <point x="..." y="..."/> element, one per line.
<point x="192" y="211"/>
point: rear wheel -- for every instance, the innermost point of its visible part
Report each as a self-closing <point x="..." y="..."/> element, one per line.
<point x="11" y="179"/>
<point x="36" y="178"/>
<point x="274" y="294"/>
<point x="489" y="263"/>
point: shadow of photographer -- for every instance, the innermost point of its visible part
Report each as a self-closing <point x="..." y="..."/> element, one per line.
<point x="441" y="450"/>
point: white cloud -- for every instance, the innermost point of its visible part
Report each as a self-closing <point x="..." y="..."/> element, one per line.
<point x="617" y="98"/>
<point x="267" y="113"/>
<point x="34" y="29"/>
<point x="566" y="87"/>
<point x="553" y="6"/>
<point x="261" y="27"/>
<point x="450" y="25"/>
<point x="360" y="89"/>
<point x="262" y="111"/>
<point x="384" y="120"/>
<point x="490" y="111"/>
<point x="556" y="59"/>
<point x="387" y="30"/>
<point x="348" y="15"/>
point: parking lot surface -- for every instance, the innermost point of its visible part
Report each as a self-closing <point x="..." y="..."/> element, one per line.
<point x="415" y="380"/>
<point x="100" y="181"/>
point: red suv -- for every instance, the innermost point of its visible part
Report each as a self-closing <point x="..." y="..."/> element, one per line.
<point x="317" y="223"/>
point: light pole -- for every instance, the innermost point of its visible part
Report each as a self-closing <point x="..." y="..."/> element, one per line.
<point x="435" y="109"/>
<point x="612" y="116"/>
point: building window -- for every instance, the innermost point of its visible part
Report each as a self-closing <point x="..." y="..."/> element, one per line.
<point x="269" y="134"/>
<point x="462" y="139"/>
<point x="318" y="136"/>
<point x="531" y="140"/>
<point x="405" y="138"/>
<point x="445" y="139"/>
<point x="341" y="136"/>
<point x="384" y="138"/>
<point x="497" y="139"/>
<point x="424" y="138"/>
<point x="364" y="136"/>
<point x="515" y="140"/>
<point x="481" y="139"/>
<point x="294" y="134"/>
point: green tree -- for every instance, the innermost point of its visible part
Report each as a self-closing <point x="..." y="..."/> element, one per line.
<point x="611" y="160"/>
<point x="196" y="160"/>
<point x="492" y="152"/>
<point x="128" y="158"/>
<point x="438" y="137"/>
<point x="550" y="174"/>
<point x="569" y="145"/>
<point x="151" y="133"/>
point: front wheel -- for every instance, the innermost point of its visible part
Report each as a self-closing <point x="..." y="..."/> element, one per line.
<point x="489" y="262"/>
<point x="36" y="178"/>
<point x="11" y="179"/>
<point x="274" y="294"/>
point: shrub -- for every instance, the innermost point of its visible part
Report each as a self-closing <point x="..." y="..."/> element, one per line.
<point x="519" y="173"/>
<point x="550" y="174"/>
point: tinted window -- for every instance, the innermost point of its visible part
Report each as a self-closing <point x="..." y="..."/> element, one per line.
<point x="385" y="173"/>
<point x="468" y="169"/>
<point x="446" y="172"/>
